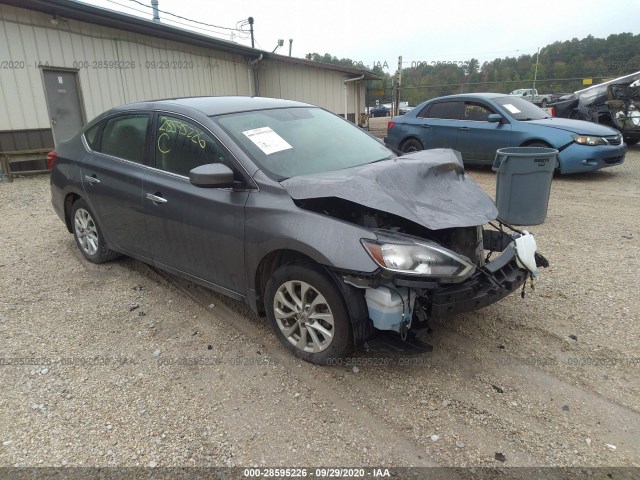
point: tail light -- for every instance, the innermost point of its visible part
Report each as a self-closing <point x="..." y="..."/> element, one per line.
<point x="52" y="156"/>
<point x="553" y="111"/>
<point x="390" y="125"/>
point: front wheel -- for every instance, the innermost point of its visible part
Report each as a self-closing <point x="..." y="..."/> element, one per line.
<point x="411" y="145"/>
<point x="308" y="314"/>
<point x="88" y="235"/>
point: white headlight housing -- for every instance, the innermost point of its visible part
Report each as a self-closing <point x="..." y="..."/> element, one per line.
<point x="421" y="258"/>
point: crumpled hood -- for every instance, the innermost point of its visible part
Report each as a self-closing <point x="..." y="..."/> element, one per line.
<point x="576" y="126"/>
<point x="428" y="187"/>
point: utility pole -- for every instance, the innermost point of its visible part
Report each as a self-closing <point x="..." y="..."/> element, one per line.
<point x="396" y="109"/>
<point x="290" y="44"/>
<point x="251" y="30"/>
<point x="535" y="75"/>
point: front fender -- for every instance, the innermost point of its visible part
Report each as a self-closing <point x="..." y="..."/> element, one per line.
<point x="284" y="226"/>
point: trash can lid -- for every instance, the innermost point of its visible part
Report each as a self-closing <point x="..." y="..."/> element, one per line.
<point x="527" y="151"/>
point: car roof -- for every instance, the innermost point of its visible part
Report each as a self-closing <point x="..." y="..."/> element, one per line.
<point x="487" y="95"/>
<point x="215" y="105"/>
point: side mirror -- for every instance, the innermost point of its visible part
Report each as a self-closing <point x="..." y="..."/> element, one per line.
<point x="211" y="175"/>
<point x="494" y="118"/>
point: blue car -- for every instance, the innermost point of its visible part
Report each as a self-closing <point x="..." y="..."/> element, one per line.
<point x="478" y="124"/>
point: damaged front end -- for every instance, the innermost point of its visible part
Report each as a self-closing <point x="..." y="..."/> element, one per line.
<point x="615" y="103"/>
<point x="624" y="106"/>
<point x="419" y="280"/>
<point x="434" y="257"/>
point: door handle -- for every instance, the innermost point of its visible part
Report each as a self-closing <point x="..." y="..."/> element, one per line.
<point x="92" y="179"/>
<point x="463" y="128"/>
<point x="425" y="126"/>
<point x="156" y="198"/>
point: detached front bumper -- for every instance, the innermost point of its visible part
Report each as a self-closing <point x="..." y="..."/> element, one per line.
<point x="493" y="282"/>
<point x="405" y="302"/>
<point x="488" y="284"/>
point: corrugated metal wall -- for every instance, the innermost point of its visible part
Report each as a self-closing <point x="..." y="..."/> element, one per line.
<point x="114" y="67"/>
<point x="320" y="87"/>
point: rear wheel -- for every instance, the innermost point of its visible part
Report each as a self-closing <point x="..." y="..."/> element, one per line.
<point x="307" y="313"/>
<point x="411" y="145"/>
<point x="88" y="235"/>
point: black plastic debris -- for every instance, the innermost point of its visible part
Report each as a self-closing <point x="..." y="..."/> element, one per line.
<point x="565" y="408"/>
<point x="209" y="347"/>
<point x="573" y="337"/>
<point x="497" y="389"/>
<point x="500" y="457"/>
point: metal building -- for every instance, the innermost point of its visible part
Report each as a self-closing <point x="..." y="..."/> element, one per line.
<point x="64" y="62"/>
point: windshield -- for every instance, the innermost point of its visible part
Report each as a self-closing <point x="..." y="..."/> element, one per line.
<point x="517" y="92"/>
<point x="288" y="142"/>
<point x="521" y="109"/>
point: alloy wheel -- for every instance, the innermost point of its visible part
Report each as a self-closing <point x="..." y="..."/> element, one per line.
<point x="303" y="316"/>
<point x="86" y="231"/>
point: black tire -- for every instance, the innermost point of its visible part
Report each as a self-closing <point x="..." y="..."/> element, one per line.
<point x="539" y="144"/>
<point x="631" y="141"/>
<point x="88" y="235"/>
<point x="293" y="324"/>
<point x="411" y="145"/>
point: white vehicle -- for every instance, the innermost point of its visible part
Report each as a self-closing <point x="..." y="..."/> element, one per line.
<point x="531" y="94"/>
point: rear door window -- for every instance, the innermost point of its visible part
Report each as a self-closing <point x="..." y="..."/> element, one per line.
<point x="125" y="137"/>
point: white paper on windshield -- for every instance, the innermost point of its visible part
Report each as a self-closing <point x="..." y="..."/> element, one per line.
<point x="267" y="140"/>
<point x="511" y="108"/>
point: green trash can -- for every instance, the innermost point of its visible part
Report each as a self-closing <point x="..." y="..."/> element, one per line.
<point x="523" y="183"/>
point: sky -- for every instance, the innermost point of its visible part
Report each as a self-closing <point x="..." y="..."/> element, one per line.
<point x="375" y="33"/>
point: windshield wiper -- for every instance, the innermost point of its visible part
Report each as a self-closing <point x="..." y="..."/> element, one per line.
<point x="383" y="159"/>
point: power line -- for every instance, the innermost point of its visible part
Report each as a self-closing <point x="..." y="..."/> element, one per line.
<point x="207" y="30"/>
<point x="184" y="18"/>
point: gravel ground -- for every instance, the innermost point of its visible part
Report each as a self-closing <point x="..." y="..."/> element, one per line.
<point x="144" y="369"/>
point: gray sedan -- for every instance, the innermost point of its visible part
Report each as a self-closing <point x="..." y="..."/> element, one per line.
<point x="291" y="209"/>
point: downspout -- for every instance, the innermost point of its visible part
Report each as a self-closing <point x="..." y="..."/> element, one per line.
<point x="253" y="81"/>
<point x="345" y="93"/>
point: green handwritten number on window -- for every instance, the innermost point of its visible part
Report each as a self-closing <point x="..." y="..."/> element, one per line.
<point x="178" y="128"/>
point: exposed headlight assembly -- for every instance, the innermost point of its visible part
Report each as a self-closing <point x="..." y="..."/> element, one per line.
<point x="423" y="258"/>
<point x="589" y="140"/>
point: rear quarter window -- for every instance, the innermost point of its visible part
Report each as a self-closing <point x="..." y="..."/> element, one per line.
<point x="91" y="135"/>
